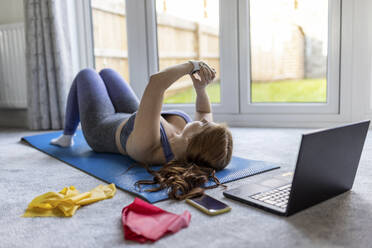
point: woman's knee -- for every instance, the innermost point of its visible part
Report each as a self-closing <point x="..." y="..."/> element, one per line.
<point x="86" y="74"/>
<point x="108" y="72"/>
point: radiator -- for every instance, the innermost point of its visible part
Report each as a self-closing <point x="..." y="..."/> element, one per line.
<point x="13" y="91"/>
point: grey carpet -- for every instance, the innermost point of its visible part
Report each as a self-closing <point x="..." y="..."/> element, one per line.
<point x="344" y="221"/>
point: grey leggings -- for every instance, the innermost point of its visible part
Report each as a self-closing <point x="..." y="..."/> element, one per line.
<point x="101" y="102"/>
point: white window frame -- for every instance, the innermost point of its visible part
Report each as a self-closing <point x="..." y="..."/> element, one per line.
<point x="355" y="91"/>
<point x="362" y="60"/>
<point x="137" y="47"/>
<point x="298" y="118"/>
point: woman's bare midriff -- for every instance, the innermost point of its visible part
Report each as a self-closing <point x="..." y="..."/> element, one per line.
<point x="172" y="125"/>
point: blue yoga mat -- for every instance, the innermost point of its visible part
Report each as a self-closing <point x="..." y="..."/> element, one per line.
<point x="112" y="168"/>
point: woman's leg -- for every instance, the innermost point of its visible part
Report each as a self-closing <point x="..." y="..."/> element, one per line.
<point x="88" y="101"/>
<point x="122" y="96"/>
<point x="72" y="118"/>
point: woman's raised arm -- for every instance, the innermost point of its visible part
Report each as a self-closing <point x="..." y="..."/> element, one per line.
<point x="146" y="132"/>
<point x="203" y="108"/>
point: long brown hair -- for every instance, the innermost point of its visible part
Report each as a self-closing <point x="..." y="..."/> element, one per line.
<point x="206" y="152"/>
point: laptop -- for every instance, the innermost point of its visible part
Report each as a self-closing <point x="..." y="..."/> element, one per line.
<point x="326" y="166"/>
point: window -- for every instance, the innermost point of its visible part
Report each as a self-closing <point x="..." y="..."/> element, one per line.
<point x="273" y="57"/>
<point x="188" y="30"/>
<point x="289" y="57"/>
<point x="110" y="35"/>
<point x="288" y="50"/>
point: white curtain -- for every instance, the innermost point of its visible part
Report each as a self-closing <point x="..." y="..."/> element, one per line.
<point x="49" y="62"/>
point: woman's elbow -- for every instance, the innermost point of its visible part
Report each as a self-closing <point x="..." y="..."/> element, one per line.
<point x="154" y="79"/>
<point x="156" y="82"/>
<point x="154" y="85"/>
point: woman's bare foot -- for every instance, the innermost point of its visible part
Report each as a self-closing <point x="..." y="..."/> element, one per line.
<point x="63" y="141"/>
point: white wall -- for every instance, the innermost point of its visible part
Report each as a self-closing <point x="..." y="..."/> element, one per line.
<point x="11" y="11"/>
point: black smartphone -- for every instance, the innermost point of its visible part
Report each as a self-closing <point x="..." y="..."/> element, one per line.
<point x="209" y="205"/>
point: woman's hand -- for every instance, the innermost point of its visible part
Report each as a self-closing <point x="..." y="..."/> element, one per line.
<point x="203" y="77"/>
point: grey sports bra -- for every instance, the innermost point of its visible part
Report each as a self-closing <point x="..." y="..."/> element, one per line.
<point x="129" y="125"/>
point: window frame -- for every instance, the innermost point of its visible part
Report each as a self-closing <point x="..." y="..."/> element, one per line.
<point x="355" y="94"/>
<point x="228" y="53"/>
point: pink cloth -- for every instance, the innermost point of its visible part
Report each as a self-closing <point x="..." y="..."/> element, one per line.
<point x="143" y="221"/>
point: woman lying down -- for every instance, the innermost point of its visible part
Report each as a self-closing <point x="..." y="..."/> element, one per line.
<point x="113" y="120"/>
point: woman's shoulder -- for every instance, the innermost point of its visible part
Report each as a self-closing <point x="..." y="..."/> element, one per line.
<point x="172" y="122"/>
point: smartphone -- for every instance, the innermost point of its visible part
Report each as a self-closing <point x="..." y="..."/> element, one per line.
<point x="209" y="205"/>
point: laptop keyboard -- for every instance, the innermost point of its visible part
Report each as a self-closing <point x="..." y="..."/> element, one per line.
<point x="277" y="197"/>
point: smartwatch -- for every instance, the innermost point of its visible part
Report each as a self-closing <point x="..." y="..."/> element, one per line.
<point x="196" y="66"/>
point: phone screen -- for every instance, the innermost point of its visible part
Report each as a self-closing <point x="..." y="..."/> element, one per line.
<point x="209" y="202"/>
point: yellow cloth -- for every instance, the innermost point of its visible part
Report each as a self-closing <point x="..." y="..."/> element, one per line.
<point x="67" y="201"/>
